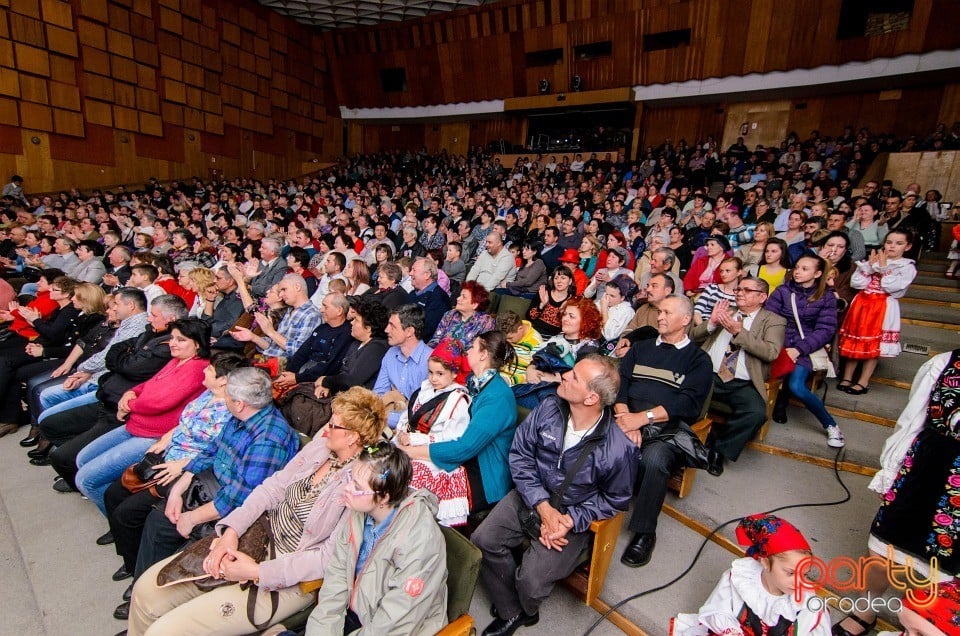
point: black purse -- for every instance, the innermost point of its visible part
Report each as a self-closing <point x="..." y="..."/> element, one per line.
<point x="530" y="521"/>
<point x="202" y="490"/>
<point x="146" y="468"/>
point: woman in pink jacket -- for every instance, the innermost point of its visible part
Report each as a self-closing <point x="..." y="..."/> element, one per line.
<point x="305" y="504"/>
<point x="149" y="409"/>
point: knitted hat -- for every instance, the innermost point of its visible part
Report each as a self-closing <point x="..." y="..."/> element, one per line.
<point x="767" y="535"/>
<point x="944" y="611"/>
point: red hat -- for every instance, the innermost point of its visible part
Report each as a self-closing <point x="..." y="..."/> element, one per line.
<point x="943" y="612"/>
<point x="767" y="535"/>
<point x="570" y="256"/>
<point x="451" y="353"/>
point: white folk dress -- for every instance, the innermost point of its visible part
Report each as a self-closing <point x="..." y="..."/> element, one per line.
<point x="447" y="420"/>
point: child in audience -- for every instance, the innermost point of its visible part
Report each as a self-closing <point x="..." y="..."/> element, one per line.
<point x="615" y="308"/>
<point x="439" y="411"/>
<point x="871" y="328"/>
<point x="755" y="597"/>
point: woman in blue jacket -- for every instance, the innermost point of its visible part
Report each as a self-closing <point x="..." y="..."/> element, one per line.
<point x="816" y="311"/>
<point x="484" y="448"/>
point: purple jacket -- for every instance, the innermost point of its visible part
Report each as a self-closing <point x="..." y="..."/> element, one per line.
<point x="818" y="318"/>
<point x="316" y="544"/>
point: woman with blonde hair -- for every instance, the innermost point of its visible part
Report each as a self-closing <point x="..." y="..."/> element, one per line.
<point x="752" y="253"/>
<point x="589" y="252"/>
<point x="304" y="505"/>
<point x="200" y="281"/>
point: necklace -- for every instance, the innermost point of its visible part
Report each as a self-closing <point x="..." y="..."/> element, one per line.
<point x="335" y="465"/>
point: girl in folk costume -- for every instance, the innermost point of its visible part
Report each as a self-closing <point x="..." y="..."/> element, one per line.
<point x="921" y="617"/>
<point x="439" y="411"/>
<point x="756" y="596"/>
<point x="871" y="329"/>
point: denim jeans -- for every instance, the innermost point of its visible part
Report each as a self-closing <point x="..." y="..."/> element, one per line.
<point x="797" y="382"/>
<point x="102" y="461"/>
<point x="56" y="399"/>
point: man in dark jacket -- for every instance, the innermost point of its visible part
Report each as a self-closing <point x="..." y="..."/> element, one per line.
<point x="128" y="364"/>
<point x="546" y="447"/>
<point x="428" y="294"/>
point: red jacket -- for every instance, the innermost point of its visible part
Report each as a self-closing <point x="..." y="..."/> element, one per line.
<point x="41" y="303"/>
<point x="691" y="282"/>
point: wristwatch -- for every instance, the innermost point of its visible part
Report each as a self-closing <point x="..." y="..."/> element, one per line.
<point x="649" y="417"/>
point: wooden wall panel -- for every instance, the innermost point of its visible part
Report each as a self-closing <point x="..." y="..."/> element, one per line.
<point x="881" y="112"/>
<point x="479" y="53"/>
<point x="125" y="88"/>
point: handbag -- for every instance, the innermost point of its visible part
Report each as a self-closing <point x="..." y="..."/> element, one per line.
<point x="187" y="566"/>
<point x="819" y="359"/>
<point x="142" y="475"/>
<point x="202" y="490"/>
<point x="530" y="521"/>
<point x="782" y="366"/>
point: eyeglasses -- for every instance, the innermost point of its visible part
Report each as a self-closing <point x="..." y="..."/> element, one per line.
<point x="337" y="427"/>
<point x="747" y="289"/>
<point x="352" y="490"/>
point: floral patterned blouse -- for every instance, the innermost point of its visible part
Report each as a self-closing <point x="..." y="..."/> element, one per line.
<point x="200" y="424"/>
<point x="453" y="326"/>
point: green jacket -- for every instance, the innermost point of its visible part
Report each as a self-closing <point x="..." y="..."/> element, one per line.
<point x="402" y="588"/>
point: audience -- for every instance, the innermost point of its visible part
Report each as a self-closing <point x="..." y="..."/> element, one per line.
<point x="291" y="294"/>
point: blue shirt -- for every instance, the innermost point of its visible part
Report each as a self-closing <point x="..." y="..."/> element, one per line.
<point x="296" y="327"/>
<point x="372" y="532"/>
<point x="403" y="374"/>
<point x="247" y="452"/>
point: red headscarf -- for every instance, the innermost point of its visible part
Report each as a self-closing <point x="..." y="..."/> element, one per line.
<point x="767" y="535"/>
<point x="451" y="353"/>
<point x="944" y="612"/>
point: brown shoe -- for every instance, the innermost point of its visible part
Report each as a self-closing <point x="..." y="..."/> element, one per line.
<point x="6" y="429"/>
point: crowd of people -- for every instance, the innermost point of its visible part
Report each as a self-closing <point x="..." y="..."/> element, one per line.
<point x="349" y="361"/>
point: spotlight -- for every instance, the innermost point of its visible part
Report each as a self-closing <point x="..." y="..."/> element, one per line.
<point x="544" y="86"/>
<point x="577" y="84"/>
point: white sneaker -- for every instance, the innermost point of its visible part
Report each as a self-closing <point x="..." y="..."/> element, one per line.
<point x="835" y="438"/>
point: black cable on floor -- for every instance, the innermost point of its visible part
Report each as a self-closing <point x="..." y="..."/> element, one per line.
<point x="696" y="557"/>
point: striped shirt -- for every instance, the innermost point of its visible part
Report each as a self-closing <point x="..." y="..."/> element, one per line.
<point x="290" y="515"/>
<point x="709" y="297"/>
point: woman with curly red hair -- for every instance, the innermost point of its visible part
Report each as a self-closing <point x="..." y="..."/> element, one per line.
<point x="581" y="327"/>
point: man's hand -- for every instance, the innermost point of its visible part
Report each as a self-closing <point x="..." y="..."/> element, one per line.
<point x="553" y="527"/>
<point x="630" y="421"/>
<point x="623" y="346"/>
<point x="174" y="506"/>
<point x="242" y="334"/>
<point x="721" y="309"/>
<point x="285" y="380"/>
<point x="729" y="322"/>
<point x="185" y="524"/>
<point x="266" y="325"/>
